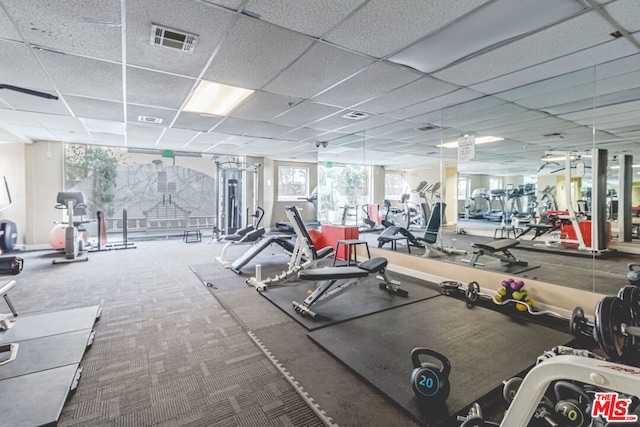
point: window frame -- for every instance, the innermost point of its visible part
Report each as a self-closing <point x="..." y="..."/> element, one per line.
<point x="297" y="197"/>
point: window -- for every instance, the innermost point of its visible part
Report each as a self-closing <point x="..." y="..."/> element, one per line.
<point x="393" y="184"/>
<point x="464" y="182"/>
<point x="293" y="183"/>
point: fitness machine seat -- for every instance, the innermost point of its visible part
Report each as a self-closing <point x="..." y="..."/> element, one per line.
<point x="349" y="275"/>
<point x="331" y="273"/>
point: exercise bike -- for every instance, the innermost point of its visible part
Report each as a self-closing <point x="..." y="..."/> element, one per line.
<point x="74" y="236"/>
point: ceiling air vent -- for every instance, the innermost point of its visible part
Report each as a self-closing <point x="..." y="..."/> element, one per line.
<point x="355" y="115"/>
<point x="173" y="39"/>
<point x="147" y="119"/>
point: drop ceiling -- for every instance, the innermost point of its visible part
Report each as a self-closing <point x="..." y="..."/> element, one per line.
<point x="421" y="71"/>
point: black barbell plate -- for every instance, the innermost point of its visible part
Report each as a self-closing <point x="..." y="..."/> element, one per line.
<point x="473" y="293"/>
<point x="576" y="322"/>
<point x="630" y="295"/>
<point x="611" y="312"/>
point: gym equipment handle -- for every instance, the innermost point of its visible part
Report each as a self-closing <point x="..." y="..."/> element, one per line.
<point x="419" y="351"/>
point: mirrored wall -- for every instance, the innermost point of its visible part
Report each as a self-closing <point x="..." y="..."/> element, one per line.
<point x="545" y="161"/>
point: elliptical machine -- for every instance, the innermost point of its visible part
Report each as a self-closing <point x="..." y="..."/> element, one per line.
<point x="73" y="202"/>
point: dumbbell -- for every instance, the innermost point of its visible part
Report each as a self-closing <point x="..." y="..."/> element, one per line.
<point x="474" y="418"/>
<point x="574" y="411"/>
<point x="429" y="381"/>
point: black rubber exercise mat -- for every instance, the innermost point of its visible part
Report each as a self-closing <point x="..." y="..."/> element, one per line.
<point x="361" y="300"/>
<point x="484" y="347"/>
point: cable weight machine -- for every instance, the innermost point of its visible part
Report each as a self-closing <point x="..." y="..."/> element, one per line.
<point x="231" y="198"/>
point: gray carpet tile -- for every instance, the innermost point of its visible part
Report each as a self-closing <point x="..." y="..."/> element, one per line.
<point x="166" y="351"/>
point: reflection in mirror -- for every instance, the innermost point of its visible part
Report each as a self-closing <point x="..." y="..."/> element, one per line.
<point x="527" y="178"/>
<point x="616" y="118"/>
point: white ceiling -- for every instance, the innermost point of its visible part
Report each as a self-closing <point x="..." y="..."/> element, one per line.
<point x="493" y="67"/>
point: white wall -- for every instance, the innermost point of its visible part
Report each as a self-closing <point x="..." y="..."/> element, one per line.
<point x="12" y="166"/>
<point x="44" y="163"/>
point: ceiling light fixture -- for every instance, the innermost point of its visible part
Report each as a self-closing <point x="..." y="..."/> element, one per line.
<point x="486" y="27"/>
<point x="215" y="98"/>
<point x="479" y="140"/>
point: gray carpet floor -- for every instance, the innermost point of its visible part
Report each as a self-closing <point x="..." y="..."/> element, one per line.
<point x="166" y="352"/>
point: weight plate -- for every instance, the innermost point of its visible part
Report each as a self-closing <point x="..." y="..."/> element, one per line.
<point x="510" y="389"/>
<point x="473" y="293"/>
<point x="611" y="313"/>
<point x="630" y="295"/>
<point x="577" y="322"/>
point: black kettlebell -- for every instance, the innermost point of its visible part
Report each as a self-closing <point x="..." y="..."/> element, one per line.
<point x="429" y="381"/>
<point x="575" y="411"/>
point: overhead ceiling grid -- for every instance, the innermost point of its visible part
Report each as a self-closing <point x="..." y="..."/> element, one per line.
<point x="394" y="77"/>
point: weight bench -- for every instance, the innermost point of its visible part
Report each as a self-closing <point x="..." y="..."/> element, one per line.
<point x="349" y="277"/>
<point x="497" y="249"/>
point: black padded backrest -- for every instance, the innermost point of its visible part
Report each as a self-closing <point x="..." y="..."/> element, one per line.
<point x="433" y="226"/>
<point x="300" y="228"/>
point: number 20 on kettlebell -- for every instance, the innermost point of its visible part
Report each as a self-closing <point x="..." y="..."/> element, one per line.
<point x="429" y="381"/>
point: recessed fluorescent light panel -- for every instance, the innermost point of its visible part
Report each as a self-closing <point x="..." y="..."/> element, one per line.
<point x="215" y="98"/>
<point x="484" y="28"/>
<point x="479" y="140"/>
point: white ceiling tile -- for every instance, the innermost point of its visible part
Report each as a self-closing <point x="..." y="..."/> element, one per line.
<point x="626" y="13"/>
<point x="313" y="18"/>
<point x="89" y="108"/>
<point x="301" y="134"/>
<point x="549" y="86"/>
<point x="108" y="139"/>
<point x="418" y="91"/>
<point x="140" y="131"/>
<point x="209" y="138"/>
<point x="234" y="126"/>
<point x="135" y="111"/>
<point x="452" y="98"/>
<point x="150" y="88"/>
<point x="177" y="136"/>
<point x="34" y="133"/>
<point x="394" y="128"/>
<point x="7" y="30"/>
<point x="209" y="23"/>
<point x="263" y="106"/>
<point x="254" y="52"/>
<point x="267" y="130"/>
<point x="71" y="136"/>
<point x="229" y="4"/>
<point x="377" y="79"/>
<point x="497" y="23"/>
<point x="364" y="124"/>
<point x="54" y="122"/>
<point x="582" y="32"/>
<point x="63" y="25"/>
<point x="21" y="68"/>
<point x="609" y="51"/>
<point x="75" y="75"/>
<point x="24" y="102"/>
<point x="382" y="27"/>
<point x="318" y="69"/>
<point x="18" y="118"/>
<point x="306" y="112"/>
<point x="195" y="121"/>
